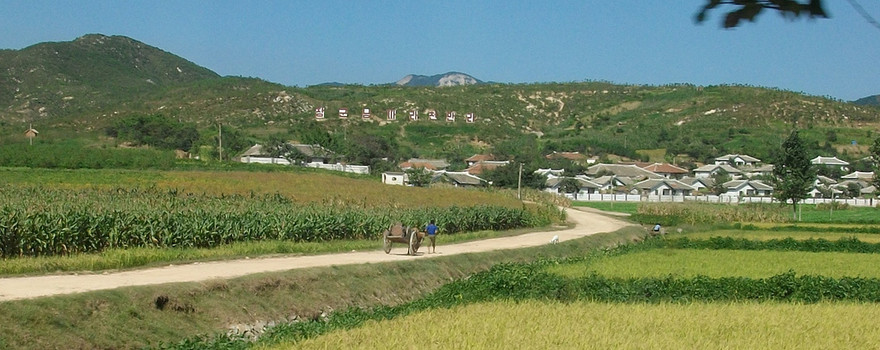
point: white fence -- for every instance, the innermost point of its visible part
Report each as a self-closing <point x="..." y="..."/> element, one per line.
<point x="357" y="169"/>
<point x="596" y="197"/>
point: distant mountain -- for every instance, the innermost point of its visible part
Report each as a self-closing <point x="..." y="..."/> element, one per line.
<point x="89" y="72"/>
<point x="873" y="100"/>
<point x="446" y="79"/>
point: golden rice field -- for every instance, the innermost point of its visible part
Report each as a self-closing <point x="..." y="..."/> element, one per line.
<point x="585" y="325"/>
<point x="768" y="235"/>
<point x="684" y="263"/>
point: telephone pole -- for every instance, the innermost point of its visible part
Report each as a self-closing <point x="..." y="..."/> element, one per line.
<point x="220" y="139"/>
<point x="519" y="183"/>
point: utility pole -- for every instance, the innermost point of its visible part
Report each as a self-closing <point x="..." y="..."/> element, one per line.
<point x="519" y="183"/>
<point x="220" y="139"/>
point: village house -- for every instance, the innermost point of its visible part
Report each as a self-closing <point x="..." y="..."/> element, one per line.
<point x="458" y="179"/>
<point x="663" y="187"/>
<point x="866" y="176"/>
<point x="316" y="157"/>
<point x="700" y="184"/>
<point x="762" y="170"/>
<point x="621" y="170"/>
<point x="585" y="186"/>
<point x="394" y="178"/>
<point x="830" y="162"/>
<point x="710" y="170"/>
<point x="747" y="188"/>
<point x="482" y="166"/>
<point x="474" y="159"/>
<point x="737" y="160"/>
<point x="667" y="170"/>
<point x="614" y="184"/>
<point x="574" y="157"/>
<point x="430" y="164"/>
<point x="824" y="186"/>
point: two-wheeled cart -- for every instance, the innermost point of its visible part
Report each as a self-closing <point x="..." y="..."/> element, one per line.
<point x="398" y="233"/>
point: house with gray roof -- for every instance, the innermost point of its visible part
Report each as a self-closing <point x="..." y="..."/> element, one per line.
<point x="614" y="183"/>
<point x="747" y="188"/>
<point x="737" y="160"/>
<point x="620" y="170"/>
<point x="585" y="186"/>
<point x="458" y="179"/>
<point x="830" y="162"/>
<point x="663" y="187"/>
<point x="859" y="175"/>
<point x="698" y="183"/>
<point x="709" y="170"/>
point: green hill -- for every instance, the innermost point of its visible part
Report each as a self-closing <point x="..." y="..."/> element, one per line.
<point x="78" y="88"/>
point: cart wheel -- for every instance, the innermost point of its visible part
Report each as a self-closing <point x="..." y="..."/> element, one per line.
<point x="413" y="243"/>
<point x="386" y="244"/>
<point x="419" y="239"/>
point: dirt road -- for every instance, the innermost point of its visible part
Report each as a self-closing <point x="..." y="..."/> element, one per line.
<point x="586" y="221"/>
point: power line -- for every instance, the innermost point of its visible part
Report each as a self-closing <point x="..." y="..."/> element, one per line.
<point x="865" y="14"/>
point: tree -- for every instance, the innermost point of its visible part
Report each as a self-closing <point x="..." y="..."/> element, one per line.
<point x="719" y="178"/>
<point x="750" y="9"/>
<point x="875" y="155"/>
<point x="570" y="185"/>
<point x="508" y="176"/>
<point x="793" y="171"/>
<point x="419" y="177"/>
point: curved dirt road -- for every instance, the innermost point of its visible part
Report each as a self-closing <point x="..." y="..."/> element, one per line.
<point x="586" y="221"/>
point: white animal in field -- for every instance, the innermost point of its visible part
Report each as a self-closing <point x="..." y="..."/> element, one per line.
<point x="554" y="240"/>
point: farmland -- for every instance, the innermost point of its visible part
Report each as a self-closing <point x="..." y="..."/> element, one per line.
<point x="715" y="285"/>
<point x="586" y="325"/>
<point x="748" y="287"/>
<point x="63" y="213"/>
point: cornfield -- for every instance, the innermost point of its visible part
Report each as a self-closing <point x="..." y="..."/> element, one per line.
<point x="40" y="221"/>
<point x="703" y="213"/>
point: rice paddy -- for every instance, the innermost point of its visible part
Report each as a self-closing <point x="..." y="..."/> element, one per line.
<point x="586" y="325"/>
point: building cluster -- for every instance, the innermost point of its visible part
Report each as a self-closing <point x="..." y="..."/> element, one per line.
<point x="743" y="176"/>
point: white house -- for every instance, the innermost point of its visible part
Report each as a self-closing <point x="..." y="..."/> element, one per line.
<point x="664" y="187"/>
<point x="831" y="162"/>
<point x="709" y="170"/>
<point x="747" y="188"/>
<point x="394" y="178"/>
<point x="867" y="176"/>
<point x="585" y="186"/>
<point x="698" y="183"/>
<point x="737" y="160"/>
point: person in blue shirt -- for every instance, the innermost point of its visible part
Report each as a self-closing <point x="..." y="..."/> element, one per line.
<point x="431" y="229"/>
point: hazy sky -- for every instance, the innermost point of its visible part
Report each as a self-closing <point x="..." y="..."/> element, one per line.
<point x="651" y="42"/>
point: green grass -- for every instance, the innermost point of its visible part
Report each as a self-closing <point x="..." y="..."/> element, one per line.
<point x="620" y="207"/>
<point x="851" y="215"/>
<point x="684" y="263"/>
<point x="768" y="235"/>
<point x="117" y="259"/>
<point x="585" y="325"/>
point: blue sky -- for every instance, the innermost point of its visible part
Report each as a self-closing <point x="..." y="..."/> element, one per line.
<point x="650" y="42"/>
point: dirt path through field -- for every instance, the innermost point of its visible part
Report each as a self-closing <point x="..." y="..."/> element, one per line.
<point x="586" y="221"/>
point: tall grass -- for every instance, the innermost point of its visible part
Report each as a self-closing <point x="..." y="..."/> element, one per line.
<point x="704" y="213"/>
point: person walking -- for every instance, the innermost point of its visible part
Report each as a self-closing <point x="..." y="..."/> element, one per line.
<point x="431" y="229"/>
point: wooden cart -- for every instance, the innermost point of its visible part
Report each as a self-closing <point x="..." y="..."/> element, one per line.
<point x="398" y="233"/>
